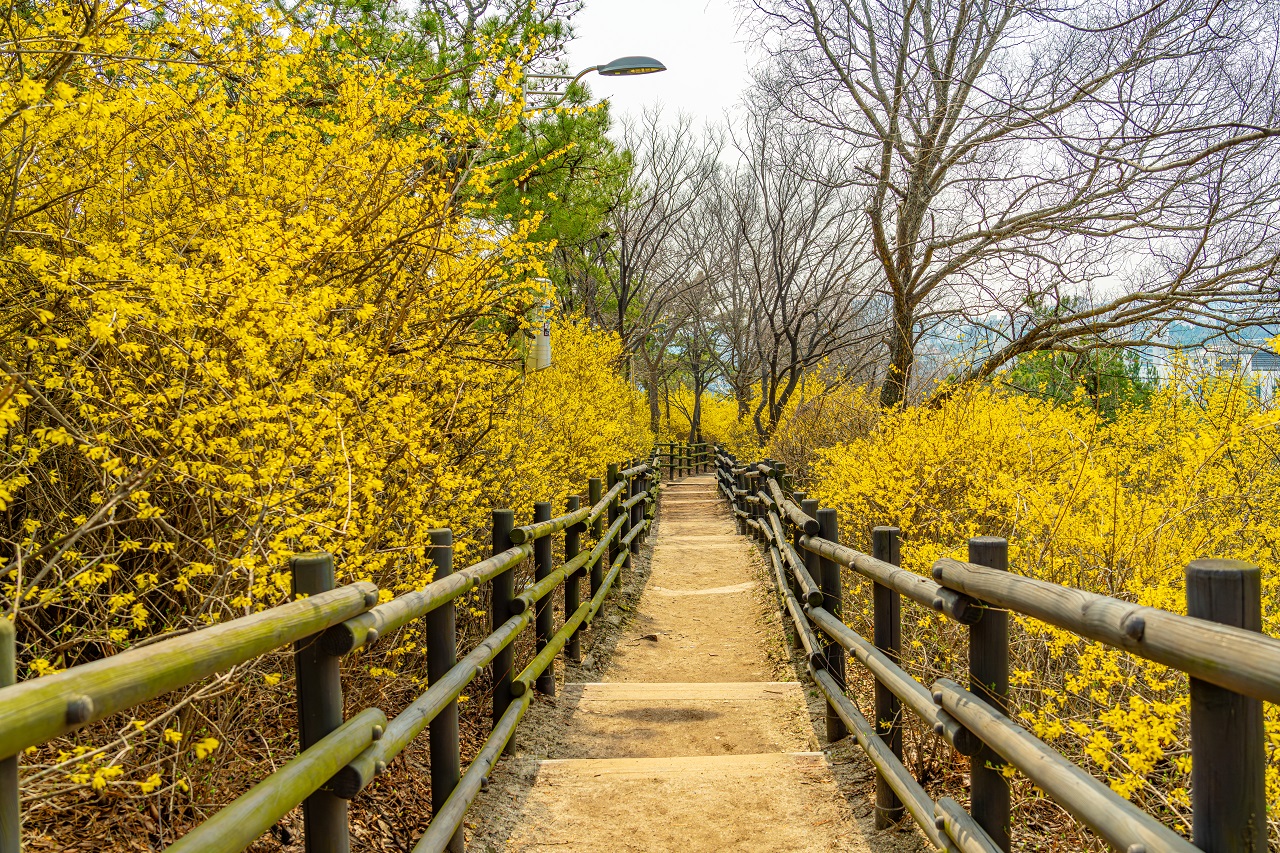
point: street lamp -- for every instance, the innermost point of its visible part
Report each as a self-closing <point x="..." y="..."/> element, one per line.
<point x="622" y="67"/>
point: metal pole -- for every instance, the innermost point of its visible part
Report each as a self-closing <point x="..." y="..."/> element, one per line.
<point x="10" y="807"/>
<point x="544" y="618"/>
<point x="1228" y="739"/>
<point x="989" y="680"/>
<point x="319" y="689"/>
<point x="572" y="594"/>
<point x="502" y="591"/>
<point x="595" y="491"/>
<point x="887" y="609"/>
<point x="833" y="598"/>
<point x="442" y="654"/>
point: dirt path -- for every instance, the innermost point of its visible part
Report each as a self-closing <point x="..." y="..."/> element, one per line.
<point x="695" y="736"/>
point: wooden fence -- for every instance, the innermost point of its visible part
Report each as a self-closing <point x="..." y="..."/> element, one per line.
<point x="337" y="758"/>
<point x="1233" y="669"/>
<point x="684" y="459"/>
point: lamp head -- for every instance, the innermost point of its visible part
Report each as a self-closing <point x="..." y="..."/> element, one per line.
<point x="631" y="65"/>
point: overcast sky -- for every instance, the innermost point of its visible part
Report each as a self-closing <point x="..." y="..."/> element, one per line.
<point x="697" y="40"/>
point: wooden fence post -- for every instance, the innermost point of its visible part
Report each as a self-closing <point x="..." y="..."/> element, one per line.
<point x="614" y="510"/>
<point x="442" y="654"/>
<point x="645" y="484"/>
<point x="989" y="680"/>
<point x="740" y="501"/>
<point x="595" y="491"/>
<point x="319" y="693"/>
<point x="572" y="588"/>
<point x="544" y="614"/>
<point x="671" y="460"/>
<point x="833" y="603"/>
<point x="637" y="515"/>
<point x="502" y="590"/>
<point x="628" y="515"/>
<point x="10" y="807"/>
<point x="1228" y="754"/>
<point x="887" y="613"/>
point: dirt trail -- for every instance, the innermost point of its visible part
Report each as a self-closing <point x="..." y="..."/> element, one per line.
<point x="688" y="740"/>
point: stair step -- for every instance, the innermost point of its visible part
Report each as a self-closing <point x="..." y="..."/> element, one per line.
<point x="774" y="801"/>
<point x="652" y="720"/>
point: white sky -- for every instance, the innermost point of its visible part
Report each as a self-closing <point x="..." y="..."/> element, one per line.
<point x="698" y="41"/>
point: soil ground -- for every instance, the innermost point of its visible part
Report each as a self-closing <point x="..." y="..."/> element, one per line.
<point x="685" y="727"/>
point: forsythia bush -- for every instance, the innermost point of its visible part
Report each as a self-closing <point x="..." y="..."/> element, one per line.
<point x="721" y="422"/>
<point x="823" y="411"/>
<point x="1115" y="507"/>
<point x="256" y="301"/>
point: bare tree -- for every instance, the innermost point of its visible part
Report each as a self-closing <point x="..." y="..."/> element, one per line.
<point x="640" y="265"/>
<point x="802" y="255"/>
<point x="1010" y="155"/>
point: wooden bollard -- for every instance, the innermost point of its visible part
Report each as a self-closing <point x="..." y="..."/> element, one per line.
<point x="595" y="491"/>
<point x="1228" y="754"/>
<point x="502" y="591"/>
<point x="989" y="680"/>
<point x="833" y="603"/>
<point x="544" y="613"/>
<point x="442" y="654"/>
<point x="887" y="615"/>
<point x="319" y="696"/>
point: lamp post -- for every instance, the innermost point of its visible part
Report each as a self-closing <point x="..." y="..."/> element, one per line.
<point x="623" y="67"/>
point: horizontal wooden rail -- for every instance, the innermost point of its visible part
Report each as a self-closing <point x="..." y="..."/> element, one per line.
<point x="583" y="614"/>
<point x="410" y="722"/>
<point x="365" y="629"/>
<point x="639" y="498"/>
<point x="636" y="471"/>
<point x="530" y="532"/>
<point x="1094" y="804"/>
<point x="584" y="560"/>
<point x="912" y="693"/>
<point x="951" y="818"/>
<point x="808" y="586"/>
<point x="889" y="765"/>
<point x="605" y="502"/>
<point x="448" y="819"/>
<point x="242" y="822"/>
<point x="921" y="590"/>
<point x="808" y="639"/>
<point x="40" y="709"/>
<point x="1240" y="660"/>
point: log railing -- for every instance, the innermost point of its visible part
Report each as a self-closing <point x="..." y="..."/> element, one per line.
<point x="337" y="758"/>
<point x="1233" y="669"/>
<point x="685" y="459"/>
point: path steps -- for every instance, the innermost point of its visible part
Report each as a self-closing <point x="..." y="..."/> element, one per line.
<point x="688" y="744"/>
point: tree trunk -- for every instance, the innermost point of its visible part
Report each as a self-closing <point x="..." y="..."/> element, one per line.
<point x="902" y="356"/>
<point x="695" y="420"/>
<point x="655" y="407"/>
